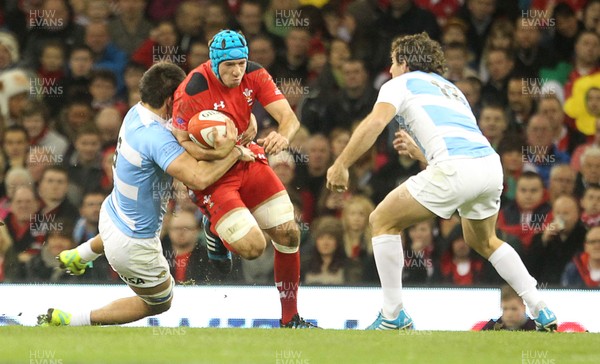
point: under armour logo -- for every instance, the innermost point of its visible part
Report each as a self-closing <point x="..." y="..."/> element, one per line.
<point x="221" y="105"/>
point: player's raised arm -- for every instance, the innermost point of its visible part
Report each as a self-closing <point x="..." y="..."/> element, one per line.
<point x="278" y="140"/>
<point x="362" y="139"/>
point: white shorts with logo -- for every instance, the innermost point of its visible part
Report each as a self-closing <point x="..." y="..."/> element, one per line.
<point x="139" y="262"/>
<point x="471" y="186"/>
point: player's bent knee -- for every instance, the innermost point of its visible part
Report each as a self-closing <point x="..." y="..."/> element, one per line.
<point x="275" y="212"/>
<point x="161" y="301"/>
<point x="252" y="245"/>
<point x="286" y="234"/>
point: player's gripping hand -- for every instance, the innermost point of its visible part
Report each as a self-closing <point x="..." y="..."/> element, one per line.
<point x="223" y="144"/>
<point x="246" y="155"/>
<point x="274" y="143"/>
<point x="405" y="145"/>
<point x="250" y="133"/>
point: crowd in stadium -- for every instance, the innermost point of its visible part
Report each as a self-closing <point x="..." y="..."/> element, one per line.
<point x="69" y="71"/>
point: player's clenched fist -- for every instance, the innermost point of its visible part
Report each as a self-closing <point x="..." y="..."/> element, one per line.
<point x="274" y="143"/>
<point x="224" y="143"/>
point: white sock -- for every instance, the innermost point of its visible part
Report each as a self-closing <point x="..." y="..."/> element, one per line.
<point x="82" y="318"/>
<point x="389" y="257"/>
<point x="511" y="268"/>
<point x="86" y="253"/>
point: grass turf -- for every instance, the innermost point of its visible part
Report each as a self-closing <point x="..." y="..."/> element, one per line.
<point x="64" y="345"/>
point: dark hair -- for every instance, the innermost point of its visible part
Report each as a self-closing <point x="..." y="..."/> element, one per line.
<point x="328" y="225"/>
<point x="55" y="168"/>
<point x="16" y="128"/>
<point x="35" y="107"/>
<point x="420" y="53"/>
<point x="132" y="65"/>
<point x="511" y="143"/>
<point x="456" y="46"/>
<point x="159" y="83"/>
<point x="87" y="129"/>
<point x="563" y="9"/>
<point x="81" y="47"/>
<point x="531" y="175"/>
<point x="105" y="75"/>
<point x="53" y="43"/>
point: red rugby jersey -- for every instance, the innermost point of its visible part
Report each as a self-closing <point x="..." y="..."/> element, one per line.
<point x="201" y="90"/>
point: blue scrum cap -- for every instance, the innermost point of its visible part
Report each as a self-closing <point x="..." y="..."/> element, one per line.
<point x="227" y="45"/>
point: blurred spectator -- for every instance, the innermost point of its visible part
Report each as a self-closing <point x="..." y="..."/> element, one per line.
<point x="459" y="265"/>
<point x="328" y="264"/>
<point x="38" y="160"/>
<point x="106" y="182"/>
<point x="52" y="191"/>
<point x="189" y="20"/>
<point x="331" y="79"/>
<point x="199" y="53"/>
<point x="160" y="46"/>
<point x="500" y="63"/>
<point x="35" y="120"/>
<point x="44" y="267"/>
<point x="294" y="62"/>
<point x="511" y="156"/>
<point x="259" y="271"/>
<point x="567" y="29"/>
<point x="590" y="203"/>
<point x="53" y="21"/>
<point x="457" y="57"/>
<point x="565" y="137"/>
<point x="404" y="17"/>
<point x="251" y="22"/>
<point x="357" y="234"/>
<point x="590" y="170"/>
<point x="521" y="104"/>
<point x="103" y="88"/>
<point x="513" y="313"/>
<point x="15" y="177"/>
<point x="577" y="154"/>
<point x="478" y="15"/>
<point x="129" y="29"/>
<point x="585" y="60"/>
<point x="84" y="164"/>
<point x="262" y="51"/>
<point x="50" y="76"/>
<point x="5" y="246"/>
<point x="419" y="254"/>
<point x="106" y="54"/>
<point x="362" y="172"/>
<point x="354" y="100"/>
<point x="311" y="176"/>
<point x="162" y="9"/>
<point x="132" y="76"/>
<point x="74" y="115"/>
<point x="591" y="14"/>
<point x="216" y="18"/>
<point x="552" y="249"/>
<point x="527" y="215"/>
<point x="9" y="51"/>
<point x="81" y="61"/>
<point x="86" y="226"/>
<point x="501" y="36"/>
<point x="541" y="153"/>
<point x="562" y="181"/>
<point x="454" y="31"/>
<point x="339" y="138"/>
<point x="188" y="260"/>
<point x="93" y="11"/>
<point x="531" y="55"/>
<point x="108" y="123"/>
<point x="13" y="94"/>
<point x="471" y="88"/>
<point x="15" y="146"/>
<point x="23" y="207"/>
<point x="493" y="123"/>
<point x="584" y="269"/>
<point x="284" y="167"/>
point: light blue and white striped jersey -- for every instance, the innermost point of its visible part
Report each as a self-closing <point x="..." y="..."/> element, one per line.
<point x="145" y="149"/>
<point x="436" y="115"/>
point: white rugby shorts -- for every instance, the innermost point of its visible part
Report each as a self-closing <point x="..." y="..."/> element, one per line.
<point x="471" y="186"/>
<point x="139" y="262"/>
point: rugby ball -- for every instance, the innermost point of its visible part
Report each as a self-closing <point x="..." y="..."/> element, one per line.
<point x="201" y="125"/>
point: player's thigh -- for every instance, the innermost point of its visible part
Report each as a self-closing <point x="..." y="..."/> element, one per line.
<point x="239" y="229"/>
<point x="275" y="216"/>
<point x="398" y="210"/>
